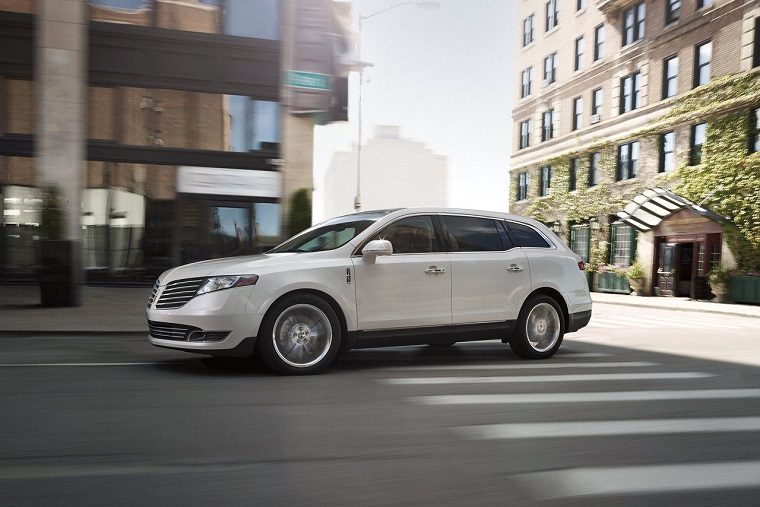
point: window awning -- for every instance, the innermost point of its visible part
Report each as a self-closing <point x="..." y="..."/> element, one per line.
<point x="648" y="209"/>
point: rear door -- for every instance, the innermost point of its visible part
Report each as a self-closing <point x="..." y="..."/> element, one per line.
<point x="490" y="277"/>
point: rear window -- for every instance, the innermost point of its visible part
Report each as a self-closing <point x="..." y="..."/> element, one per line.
<point x="525" y="236"/>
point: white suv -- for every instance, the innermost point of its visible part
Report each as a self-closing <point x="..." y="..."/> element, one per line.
<point x="380" y="278"/>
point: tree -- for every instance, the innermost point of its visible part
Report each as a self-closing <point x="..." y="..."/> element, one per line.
<point x="299" y="214"/>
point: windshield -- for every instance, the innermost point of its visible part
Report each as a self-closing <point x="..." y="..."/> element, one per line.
<point x="331" y="234"/>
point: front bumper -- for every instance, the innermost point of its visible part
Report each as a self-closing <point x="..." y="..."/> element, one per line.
<point x="216" y="323"/>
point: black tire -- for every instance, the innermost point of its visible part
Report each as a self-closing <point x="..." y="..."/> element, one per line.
<point x="542" y="333"/>
<point x="297" y="320"/>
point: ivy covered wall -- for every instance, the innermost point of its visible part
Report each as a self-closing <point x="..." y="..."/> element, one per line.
<point x="727" y="180"/>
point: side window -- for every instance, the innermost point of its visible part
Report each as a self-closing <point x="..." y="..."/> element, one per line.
<point x="526" y="236"/>
<point x="471" y="234"/>
<point x="411" y="235"/>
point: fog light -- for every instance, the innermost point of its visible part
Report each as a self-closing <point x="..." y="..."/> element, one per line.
<point x="206" y="336"/>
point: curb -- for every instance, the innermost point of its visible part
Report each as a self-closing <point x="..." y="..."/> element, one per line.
<point x="48" y="332"/>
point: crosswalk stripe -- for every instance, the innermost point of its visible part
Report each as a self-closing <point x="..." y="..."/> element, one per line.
<point x="611" y="396"/>
<point x="597" y="323"/>
<point x="526" y="366"/>
<point x="608" y="428"/>
<point x="543" y="378"/>
<point x="641" y="479"/>
<point x="564" y="355"/>
<point x="623" y="322"/>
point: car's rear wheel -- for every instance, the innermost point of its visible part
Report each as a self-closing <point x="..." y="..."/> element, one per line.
<point x="300" y="335"/>
<point x="540" y="328"/>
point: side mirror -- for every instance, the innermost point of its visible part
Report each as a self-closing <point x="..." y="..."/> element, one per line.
<point x="375" y="248"/>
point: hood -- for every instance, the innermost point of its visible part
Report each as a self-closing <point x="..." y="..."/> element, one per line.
<point x="243" y="265"/>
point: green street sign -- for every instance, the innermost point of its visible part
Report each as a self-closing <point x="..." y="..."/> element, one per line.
<point x="310" y="80"/>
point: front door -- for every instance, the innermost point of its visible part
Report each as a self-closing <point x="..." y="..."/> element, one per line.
<point x="411" y="287"/>
<point x="685" y="266"/>
<point x="666" y="271"/>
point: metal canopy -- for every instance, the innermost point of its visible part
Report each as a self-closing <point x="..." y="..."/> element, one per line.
<point x="648" y="209"/>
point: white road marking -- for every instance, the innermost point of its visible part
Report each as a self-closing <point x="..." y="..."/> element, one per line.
<point x="604" y="325"/>
<point x="611" y="396"/>
<point x="609" y="428"/>
<point x="525" y="366"/>
<point x="582" y="354"/>
<point x="34" y="365"/>
<point x="543" y="378"/>
<point x="642" y="479"/>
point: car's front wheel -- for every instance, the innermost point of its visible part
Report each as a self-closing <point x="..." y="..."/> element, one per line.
<point x="540" y="328"/>
<point x="300" y="335"/>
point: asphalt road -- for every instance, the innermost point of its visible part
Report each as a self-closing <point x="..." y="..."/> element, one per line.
<point x="633" y="411"/>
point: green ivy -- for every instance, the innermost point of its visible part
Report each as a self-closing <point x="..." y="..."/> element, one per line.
<point x="728" y="180"/>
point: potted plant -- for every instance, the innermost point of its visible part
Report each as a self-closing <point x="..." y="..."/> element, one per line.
<point x="57" y="255"/>
<point x="636" y="277"/>
<point x="718" y="279"/>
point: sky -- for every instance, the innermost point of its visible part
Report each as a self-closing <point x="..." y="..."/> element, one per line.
<point x="447" y="78"/>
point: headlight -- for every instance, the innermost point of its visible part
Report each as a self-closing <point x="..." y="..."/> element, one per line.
<point x="227" y="282"/>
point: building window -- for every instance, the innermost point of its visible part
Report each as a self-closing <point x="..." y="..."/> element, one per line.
<point x="670" y="77"/>
<point x="527" y="78"/>
<point x="634" y="23"/>
<point x="522" y="186"/>
<point x="628" y="160"/>
<point x="672" y="11"/>
<point x="580" y="5"/>
<point x="528" y="30"/>
<point x="552" y="14"/>
<point x="550" y="68"/>
<point x="756" y="50"/>
<point x="702" y="59"/>
<point x="577" y="113"/>
<point x="579" y="46"/>
<point x="754" y="139"/>
<point x="704" y="3"/>
<point x="573" y="175"/>
<point x="580" y="236"/>
<point x="524" y="134"/>
<point x="698" y="136"/>
<point x="623" y="244"/>
<point x="546" y="180"/>
<point x="593" y="169"/>
<point x="630" y="92"/>
<point x="547" y="125"/>
<point x="599" y="42"/>
<point x="597" y="99"/>
<point x="667" y="151"/>
<point x="260" y="18"/>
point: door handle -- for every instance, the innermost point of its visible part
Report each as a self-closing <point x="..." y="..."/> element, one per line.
<point x="435" y="270"/>
<point x="514" y="267"/>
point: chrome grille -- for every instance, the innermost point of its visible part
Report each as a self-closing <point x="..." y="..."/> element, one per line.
<point x="167" y="331"/>
<point x="153" y="294"/>
<point x="177" y="293"/>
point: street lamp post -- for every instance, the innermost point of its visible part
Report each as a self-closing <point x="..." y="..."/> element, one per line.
<point x="422" y="5"/>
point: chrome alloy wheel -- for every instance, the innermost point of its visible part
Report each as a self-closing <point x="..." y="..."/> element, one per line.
<point x="542" y="327"/>
<point x="302" y="335"/>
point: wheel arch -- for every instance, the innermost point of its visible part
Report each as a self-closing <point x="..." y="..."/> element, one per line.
<point x="557" y="296"/>
<point x="328" y="299"/>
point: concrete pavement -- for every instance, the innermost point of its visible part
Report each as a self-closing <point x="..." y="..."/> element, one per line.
<point x="121" y="309"/>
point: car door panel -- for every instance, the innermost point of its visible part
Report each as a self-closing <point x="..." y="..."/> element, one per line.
<point x="399" y="291"/>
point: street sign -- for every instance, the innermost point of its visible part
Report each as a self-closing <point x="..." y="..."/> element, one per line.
<point x="309" y="80"/>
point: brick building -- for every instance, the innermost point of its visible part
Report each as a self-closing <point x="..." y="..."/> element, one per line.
<point x="599" y="119"/>
<point x="191" y="145"/>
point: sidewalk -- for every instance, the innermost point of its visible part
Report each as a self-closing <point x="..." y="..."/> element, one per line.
<point x="104" y="309"/>
<point x="677" y="304"/>
<point x="122" y="309"/>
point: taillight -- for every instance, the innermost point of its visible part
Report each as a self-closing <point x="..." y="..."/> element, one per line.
<point x="581" y="266"/>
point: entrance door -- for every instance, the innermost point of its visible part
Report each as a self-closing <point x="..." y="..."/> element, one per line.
<point x="666" y="271"/>
<point x="685" y="265"/>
